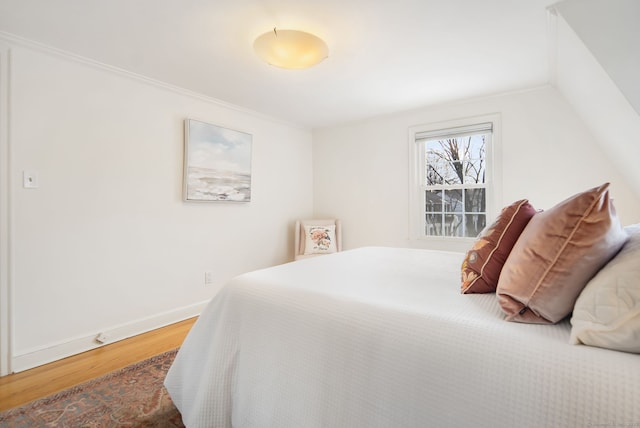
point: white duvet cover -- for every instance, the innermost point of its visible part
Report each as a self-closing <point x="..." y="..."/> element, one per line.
<point x="382" y="337"/>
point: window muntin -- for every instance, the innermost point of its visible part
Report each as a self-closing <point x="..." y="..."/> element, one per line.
<point x="454" y="180"/>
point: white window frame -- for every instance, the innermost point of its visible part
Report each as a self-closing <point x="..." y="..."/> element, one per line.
<point x="493" y="170"/>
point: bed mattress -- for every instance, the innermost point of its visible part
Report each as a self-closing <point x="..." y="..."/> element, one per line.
<point x="382" y="337"/>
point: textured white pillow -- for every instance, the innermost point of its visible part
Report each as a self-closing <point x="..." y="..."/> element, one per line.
<point x="607" y="312"/>
<point x="320" y="239"/>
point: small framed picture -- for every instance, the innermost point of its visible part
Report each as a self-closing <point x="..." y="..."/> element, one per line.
<point x="217" y="163"/>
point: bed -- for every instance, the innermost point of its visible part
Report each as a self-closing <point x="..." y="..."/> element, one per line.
<point x="382" y="337"/>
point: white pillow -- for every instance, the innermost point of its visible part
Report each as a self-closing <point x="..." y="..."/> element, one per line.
<point x="320" y="239"/>
<point x="607" y="312"/>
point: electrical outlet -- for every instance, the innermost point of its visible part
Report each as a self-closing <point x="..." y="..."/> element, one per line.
<point x="208" y="278"/>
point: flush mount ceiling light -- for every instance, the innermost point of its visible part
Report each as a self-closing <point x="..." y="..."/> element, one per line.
<point x="290" y="48"/>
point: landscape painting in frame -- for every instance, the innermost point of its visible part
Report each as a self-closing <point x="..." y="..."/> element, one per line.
<point x="217" y="164"/>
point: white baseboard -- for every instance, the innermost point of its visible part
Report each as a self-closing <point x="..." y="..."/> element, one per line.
<point x="77" y="345"/>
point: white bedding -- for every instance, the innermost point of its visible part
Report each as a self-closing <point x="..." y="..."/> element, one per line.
<point x="382" y="337"/>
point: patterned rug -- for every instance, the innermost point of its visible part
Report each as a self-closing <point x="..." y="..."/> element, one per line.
<point x="131" y="397"/>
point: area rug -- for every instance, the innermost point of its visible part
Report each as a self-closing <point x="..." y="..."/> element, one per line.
<point x="131" y="397"/>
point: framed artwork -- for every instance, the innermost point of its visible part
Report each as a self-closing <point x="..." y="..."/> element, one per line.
<point x="217" y="163"/>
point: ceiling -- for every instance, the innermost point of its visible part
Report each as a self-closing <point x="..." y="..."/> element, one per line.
<point x="384" y="56"/>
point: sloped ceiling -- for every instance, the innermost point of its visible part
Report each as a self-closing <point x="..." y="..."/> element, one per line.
<point x="598" y="61"/>
<point x="610" y="30"/>
<point x="385" y="56"/>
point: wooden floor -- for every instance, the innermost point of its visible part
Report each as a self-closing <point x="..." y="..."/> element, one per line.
<point x="20" y="388"/>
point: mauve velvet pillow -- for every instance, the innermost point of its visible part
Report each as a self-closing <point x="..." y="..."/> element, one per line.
<point x="482" y="265"/>
<point x="558" y="252"/>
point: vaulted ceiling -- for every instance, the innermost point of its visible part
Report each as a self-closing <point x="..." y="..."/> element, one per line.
<point x="384" y="56"/>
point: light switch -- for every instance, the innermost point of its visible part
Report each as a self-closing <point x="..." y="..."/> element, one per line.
<point x="30" y="179"/>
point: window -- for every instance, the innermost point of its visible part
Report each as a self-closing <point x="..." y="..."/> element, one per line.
<point x="452" y="179"/>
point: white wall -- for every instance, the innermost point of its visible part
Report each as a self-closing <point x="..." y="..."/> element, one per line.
<point x="361" y="169"/>
<point x="106" y="244"/>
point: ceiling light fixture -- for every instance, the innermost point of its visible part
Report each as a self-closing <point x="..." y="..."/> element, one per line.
<point x="290" y="48"/>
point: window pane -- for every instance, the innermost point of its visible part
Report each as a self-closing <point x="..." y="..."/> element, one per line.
<point x="443" y="162"/>
<point x="474" y="167"/>
<point x="433" y="224"/>
<point x="433" y="201"/>
<point x="474" y="224"/>
<point x="475" y="200"/>
<point x="453" y="201"/>
<point x="453" y="225"/>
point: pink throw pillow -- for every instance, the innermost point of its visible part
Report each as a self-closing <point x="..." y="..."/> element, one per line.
<point x="558" y="252"/>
